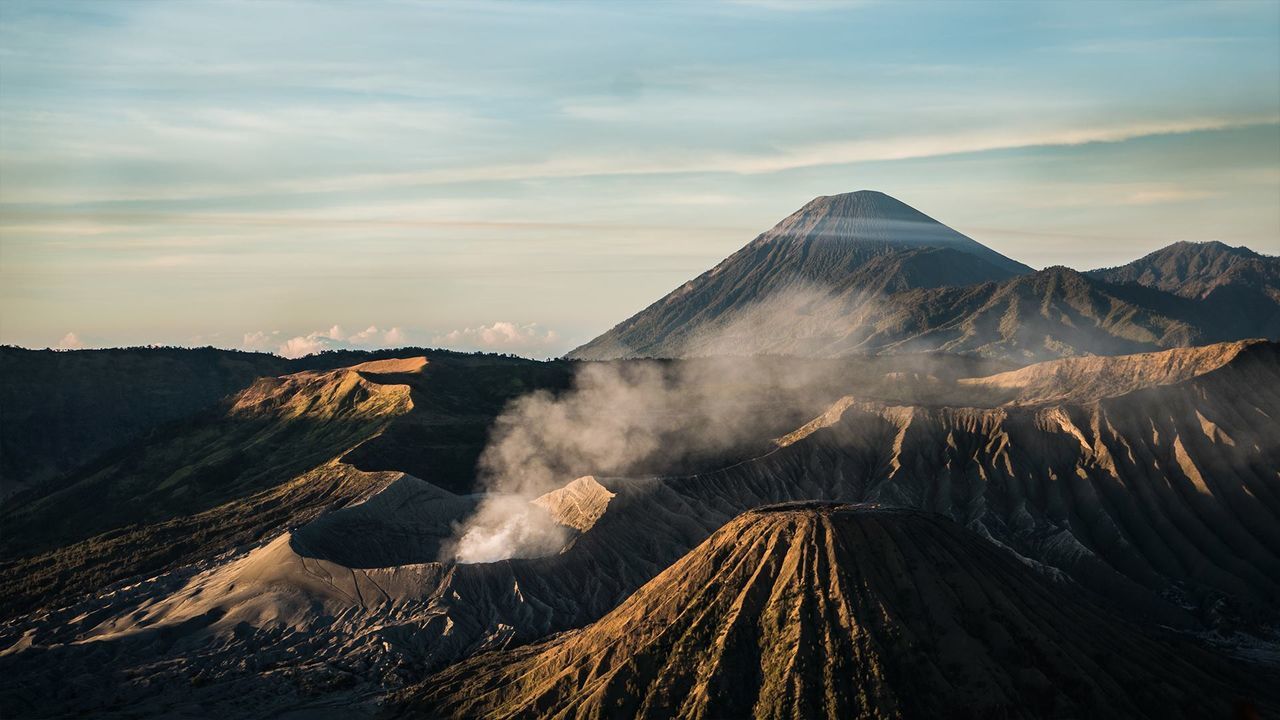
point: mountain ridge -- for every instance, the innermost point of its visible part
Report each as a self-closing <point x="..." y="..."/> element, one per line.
<point x="798" y="610"/>
<point x="865" y="273"/>
<point x="1196" y="269"/>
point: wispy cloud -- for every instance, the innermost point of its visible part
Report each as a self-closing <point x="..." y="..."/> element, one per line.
<point x="880" y="149"/>
<point x="1099" y="195"/>
<point x="791" y="6"/>
<point x="1147" y="45"/>
<point x="1159" y="196"/>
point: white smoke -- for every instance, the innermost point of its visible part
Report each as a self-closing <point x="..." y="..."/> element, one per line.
<point x="642" y="417"/>
<point x="506" y="526"/>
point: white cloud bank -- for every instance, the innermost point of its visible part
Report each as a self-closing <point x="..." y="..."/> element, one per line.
<point x="70" y="341"/>
<point x="507" y="337"/>
<point x="503" y="336"/>
<point x="332" y="339"/>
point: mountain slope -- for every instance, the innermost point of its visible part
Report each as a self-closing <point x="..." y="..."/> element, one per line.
<point x="278" y="453"/>
<point x="1237" y="291"/>
<point x="828" y="610"/>
<point x="1052" y="313"/>
<point x="1086" y="379"/>
<point x="863" y="273"/>
<point x="1153" y="488"/>
<point x="1043" y="315"/>
<point x="1196" y="270"/>
<point x="823" y="249"/>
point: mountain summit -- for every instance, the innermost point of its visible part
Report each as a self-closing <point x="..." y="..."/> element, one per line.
<point x="811" y="271"/>
<point x="1236" y="290"/>
<point x="868" y="222"/>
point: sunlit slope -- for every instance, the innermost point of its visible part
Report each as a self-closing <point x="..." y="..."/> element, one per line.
<point x="276" y="428"/>
<point x="1094" y="378"/>
<point x="815" y="610"/>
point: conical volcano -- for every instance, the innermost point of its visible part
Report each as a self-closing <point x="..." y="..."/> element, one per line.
<point x="863" y="273"/>
<point x="815" y="271"/>
<point x="839" y="611"/>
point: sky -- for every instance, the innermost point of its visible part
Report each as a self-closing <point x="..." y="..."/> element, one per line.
<point x="519" y="177"/>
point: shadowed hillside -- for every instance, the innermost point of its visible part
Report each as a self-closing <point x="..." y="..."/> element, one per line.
<point x="62" y="409"/>
<point x="1236" y="291"/>
<point x="1198" y="270"/>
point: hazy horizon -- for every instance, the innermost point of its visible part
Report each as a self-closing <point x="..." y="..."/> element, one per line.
<point x="291" y="177"/>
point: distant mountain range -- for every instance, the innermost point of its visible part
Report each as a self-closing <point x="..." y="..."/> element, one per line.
<point x="863" y="273"/>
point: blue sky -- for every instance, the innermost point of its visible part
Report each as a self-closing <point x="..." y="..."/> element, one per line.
<point x="290" y="176"/>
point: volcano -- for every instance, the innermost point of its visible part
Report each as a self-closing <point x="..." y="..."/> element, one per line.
<point x="863" y="273"/>
<point x="836" y="251"/>
<point x="819" y="609"/>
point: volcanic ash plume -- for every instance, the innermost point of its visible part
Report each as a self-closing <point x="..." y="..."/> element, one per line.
<point x="627" y="418"/>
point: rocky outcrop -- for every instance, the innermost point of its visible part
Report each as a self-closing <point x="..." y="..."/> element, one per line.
<point x="577" y="505"/>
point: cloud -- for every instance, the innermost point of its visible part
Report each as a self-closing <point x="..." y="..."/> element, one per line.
<point x="1169" y="195"/>
<point x="1096" y="194"/>
<point x="70" y="341"/>
<point x="320" y="340"/>
<point x="303" y="345"/>
<point x="394" y="336"/>
<point x="791" y="6"/>
<point x="371" y="336"/>
<point x="366" y="336"/>
<point x="502" y="337"/>
<point x="261" y="340"/>
<point x="778" y="159"/>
